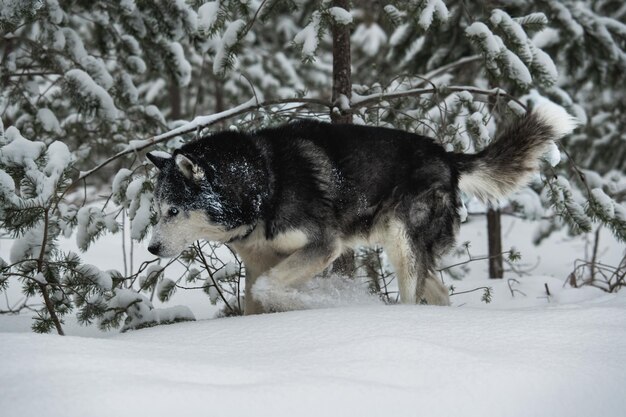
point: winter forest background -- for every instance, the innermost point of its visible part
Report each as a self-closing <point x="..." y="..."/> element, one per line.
<point x="89" y="86"/>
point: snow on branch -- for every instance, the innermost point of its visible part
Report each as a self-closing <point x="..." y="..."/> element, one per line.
<point x="432" y="9"/>
<point x="308" y="38"/>
<point x="225" y="53"/>
<point x="340" y="15"/>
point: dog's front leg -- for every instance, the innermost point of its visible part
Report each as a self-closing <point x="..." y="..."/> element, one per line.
<point x="252" y="305"/>
<point x="278" y="289"/>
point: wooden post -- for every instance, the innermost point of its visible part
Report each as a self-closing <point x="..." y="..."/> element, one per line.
<point x="494" y="235"/>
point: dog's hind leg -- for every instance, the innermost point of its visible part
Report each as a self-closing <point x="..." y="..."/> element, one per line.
<point x="415" y="268"/>
<point x="435" y="293"/>
<point x="397" y="245"/>
<point x="277" y="289"/>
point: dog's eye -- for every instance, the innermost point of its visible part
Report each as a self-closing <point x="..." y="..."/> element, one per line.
<point x="173" y="211"/>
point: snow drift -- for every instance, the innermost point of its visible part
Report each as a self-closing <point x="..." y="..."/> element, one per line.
<point x="365" y="361"/>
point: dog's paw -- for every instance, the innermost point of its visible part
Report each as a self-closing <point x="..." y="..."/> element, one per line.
<point x="263" y="289"/>
<point x="275" y="297"/>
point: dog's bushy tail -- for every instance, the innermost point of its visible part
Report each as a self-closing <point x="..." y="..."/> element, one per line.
<point x="508" y="163"/>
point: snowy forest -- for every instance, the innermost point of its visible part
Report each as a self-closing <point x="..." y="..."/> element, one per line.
<point x="87" y="88"/>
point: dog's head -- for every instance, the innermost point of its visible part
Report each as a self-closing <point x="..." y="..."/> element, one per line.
<point x="210" y="189"/>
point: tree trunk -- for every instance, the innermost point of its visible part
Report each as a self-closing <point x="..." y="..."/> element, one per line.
<point x="219" y="100"/>
<point x="342" y="75"/>
<point x="175" y="100"/>
<point x="342" y="85"/>
<point x="42" y="287"/>
<point x="494" y="234"/>
<point x="219" y="95"/>
<point x="51" y="311"/>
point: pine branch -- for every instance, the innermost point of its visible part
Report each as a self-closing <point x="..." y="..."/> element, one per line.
<point x="251" y="21"/>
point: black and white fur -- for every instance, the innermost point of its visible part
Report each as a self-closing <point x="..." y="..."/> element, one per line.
<point x="290" y="199"/>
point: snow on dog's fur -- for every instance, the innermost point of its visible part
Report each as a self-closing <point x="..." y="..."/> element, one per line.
<point x="289" y="200"/>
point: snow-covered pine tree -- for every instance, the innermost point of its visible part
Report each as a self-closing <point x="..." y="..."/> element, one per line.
<point x="588" y="40"/>
<point x="521" y="48"/>
<point x="34" y="178"/>
<point x="77" y="79"/>
<point x="82" y="71"/>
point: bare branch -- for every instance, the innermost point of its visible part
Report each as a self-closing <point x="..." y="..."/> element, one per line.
<point x="200" y="122"/>
<point x="452" y="65"/>
<point x="365" y="101"/>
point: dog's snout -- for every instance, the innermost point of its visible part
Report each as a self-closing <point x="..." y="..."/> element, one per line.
<point x="154" y="248"/>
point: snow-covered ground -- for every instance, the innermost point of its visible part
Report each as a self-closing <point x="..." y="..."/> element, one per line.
<point x="524" y="354"/>
<point x="350" y="361"/>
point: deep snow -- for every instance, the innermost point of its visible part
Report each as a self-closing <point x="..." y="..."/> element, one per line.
<point x="365" y="361"/>
<point x="524" y="354"/>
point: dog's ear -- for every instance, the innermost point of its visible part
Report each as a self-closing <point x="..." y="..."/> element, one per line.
<point x="189" y="168"/>
<point x="158" y="159"/>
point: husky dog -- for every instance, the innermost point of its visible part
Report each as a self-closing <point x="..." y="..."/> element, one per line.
<point x="290" y="199"/>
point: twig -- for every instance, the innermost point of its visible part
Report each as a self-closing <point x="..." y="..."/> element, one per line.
<point x="473" y="290"/>
<point x="595" y="253"/>
<point x="472" y="259"/>
<point x="206" y="265"/>
<point x="545" y="284"/>
<point x="364" y="101"/>
<point x="17" y="309"/>
<point x="513" y="290"/>
<point x="447" y="67"/>
<point x="251" y="22"/>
